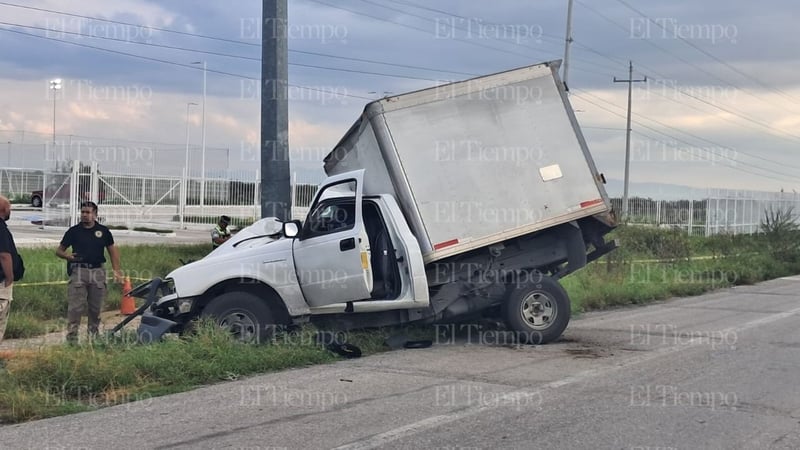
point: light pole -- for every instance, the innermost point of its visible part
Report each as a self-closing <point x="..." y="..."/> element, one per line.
<point x="185" y="184"/>
<point x="55" y="85"/>
<point x="186" y="162"/>
<point x="203" y="141"/>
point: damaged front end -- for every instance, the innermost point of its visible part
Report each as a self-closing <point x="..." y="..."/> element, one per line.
<point x="159" y="296"/>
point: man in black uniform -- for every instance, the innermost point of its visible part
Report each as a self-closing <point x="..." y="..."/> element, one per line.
<point x="8" y="258"/>
<point x="87" y="277"/>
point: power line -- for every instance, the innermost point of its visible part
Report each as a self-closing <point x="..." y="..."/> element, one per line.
<point x="228" y="55"/>
<point x="602" y="128"/>
<point x="720" y="117"/>
<point x="481" y="22"/>
<point x="717" y="144"/>
<point x="471" y="20"/>
<point x="166" y="30"/>
<point x="427" y="8"/>
<point x="227" y="40"/>
<point x="209" y="37"/>
<point x="127" y="41"/>
<point x="372" y="61"/>
<point x="679" y="58"/>
<point x="148" y="58"/>
<point x="224" y="54"/>
<point x="731" y="111"/>
<point x="360" y="13"/>
<point x="709" y="54"/>
<point x="791" y="178"/>
<point x="172" y="62"/>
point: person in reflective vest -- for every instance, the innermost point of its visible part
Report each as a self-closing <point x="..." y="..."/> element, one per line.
<point x="221" y="233"/>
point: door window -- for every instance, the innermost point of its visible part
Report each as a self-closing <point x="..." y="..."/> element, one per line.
<point x="335" y="211"/>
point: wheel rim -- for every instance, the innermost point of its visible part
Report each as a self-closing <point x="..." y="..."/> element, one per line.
<point x="538" y="310"/>
<point x="240" y="325"/>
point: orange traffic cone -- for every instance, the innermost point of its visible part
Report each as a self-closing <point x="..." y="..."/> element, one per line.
<point x="127" y="306"/>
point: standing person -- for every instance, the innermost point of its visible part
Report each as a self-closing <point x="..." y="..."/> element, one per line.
<point x="87" y="277"/>
<point x="221" y="233"/>
<point x="8" y="258"/>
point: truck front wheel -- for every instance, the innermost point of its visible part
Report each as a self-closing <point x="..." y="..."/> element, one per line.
<point x="247" y="317"/>
<point x="537" y="310"/>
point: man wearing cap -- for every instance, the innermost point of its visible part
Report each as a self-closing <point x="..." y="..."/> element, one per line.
<point x="221" y="233"/>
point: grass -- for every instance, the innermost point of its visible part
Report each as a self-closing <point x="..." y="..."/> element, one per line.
<point x="40" y="299"/>
<point x="57" y="380"/>
<point x="688" y="266"/>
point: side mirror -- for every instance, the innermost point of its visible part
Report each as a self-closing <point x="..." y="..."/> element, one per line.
<point x="291" y="229"/>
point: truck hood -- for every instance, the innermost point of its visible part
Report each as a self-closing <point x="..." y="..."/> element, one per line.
<point x="263" y="233"/>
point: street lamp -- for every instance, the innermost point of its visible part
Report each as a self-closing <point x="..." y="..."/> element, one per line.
<point x="55" y="85"/>
<point x="203" y="144"/>
<point x="186" y="162"/>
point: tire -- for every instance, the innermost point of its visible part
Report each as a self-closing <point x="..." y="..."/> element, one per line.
<point x="36" y="201"/>
<point x="537" y="310"/>
<point x="246" y="316"/>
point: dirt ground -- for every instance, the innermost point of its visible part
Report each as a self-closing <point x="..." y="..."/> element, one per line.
<point x="109" y="319"/>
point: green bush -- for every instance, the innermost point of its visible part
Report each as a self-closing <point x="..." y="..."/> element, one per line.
<point x="781" y="233"/>
<point x="648" y="242"/>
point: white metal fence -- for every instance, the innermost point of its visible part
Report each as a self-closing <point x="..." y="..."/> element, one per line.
<point x="146" y="200"/>
<point x="18" y="184"/>
<point x="143" y="198"/>
<point x="713" y="212"/>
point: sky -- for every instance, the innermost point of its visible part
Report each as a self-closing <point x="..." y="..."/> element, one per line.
<point x="720" y="107"/>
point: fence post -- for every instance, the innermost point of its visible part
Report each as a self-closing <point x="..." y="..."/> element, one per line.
<point x="735" y="212"/>
<point x="74" y="207"/>
<point x="94" y="184"/>
<point x="256" y="190"/>
<point x="658" y="213"/>
<point x="691" y="214"/>
<point x="182" y="199"/>
<point x="144" y="184"/>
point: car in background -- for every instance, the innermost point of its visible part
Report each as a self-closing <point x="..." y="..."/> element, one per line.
<point x="59" y="194"/>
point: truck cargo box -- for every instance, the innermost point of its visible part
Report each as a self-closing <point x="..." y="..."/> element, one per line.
<point x="476" y="162"/>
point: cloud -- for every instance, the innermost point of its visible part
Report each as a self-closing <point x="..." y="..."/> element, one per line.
<point x="117" y="97"/>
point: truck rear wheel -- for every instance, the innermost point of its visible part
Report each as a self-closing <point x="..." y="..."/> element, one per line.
<point x="247" y="317"/>
<point x="537" y="311"/>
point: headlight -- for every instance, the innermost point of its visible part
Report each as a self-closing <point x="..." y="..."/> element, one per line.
<point x="184" y="305"/>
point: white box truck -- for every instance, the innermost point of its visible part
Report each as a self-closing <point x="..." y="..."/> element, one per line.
<point x="461" y="199"/>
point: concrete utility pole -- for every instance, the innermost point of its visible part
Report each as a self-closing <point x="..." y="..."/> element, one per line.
<point x="630" y="82"/>
<point x="276" y="198"/>
<point x="567" y="44"/>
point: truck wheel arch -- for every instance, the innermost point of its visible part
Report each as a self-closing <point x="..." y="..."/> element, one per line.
<point x="261" y="290"/>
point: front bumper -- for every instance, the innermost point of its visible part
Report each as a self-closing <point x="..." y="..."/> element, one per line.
<point x="152" y="328"/>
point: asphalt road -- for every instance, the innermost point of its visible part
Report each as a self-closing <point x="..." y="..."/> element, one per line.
<point x="715" y="371"/>
<point x="29" y="235"/>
